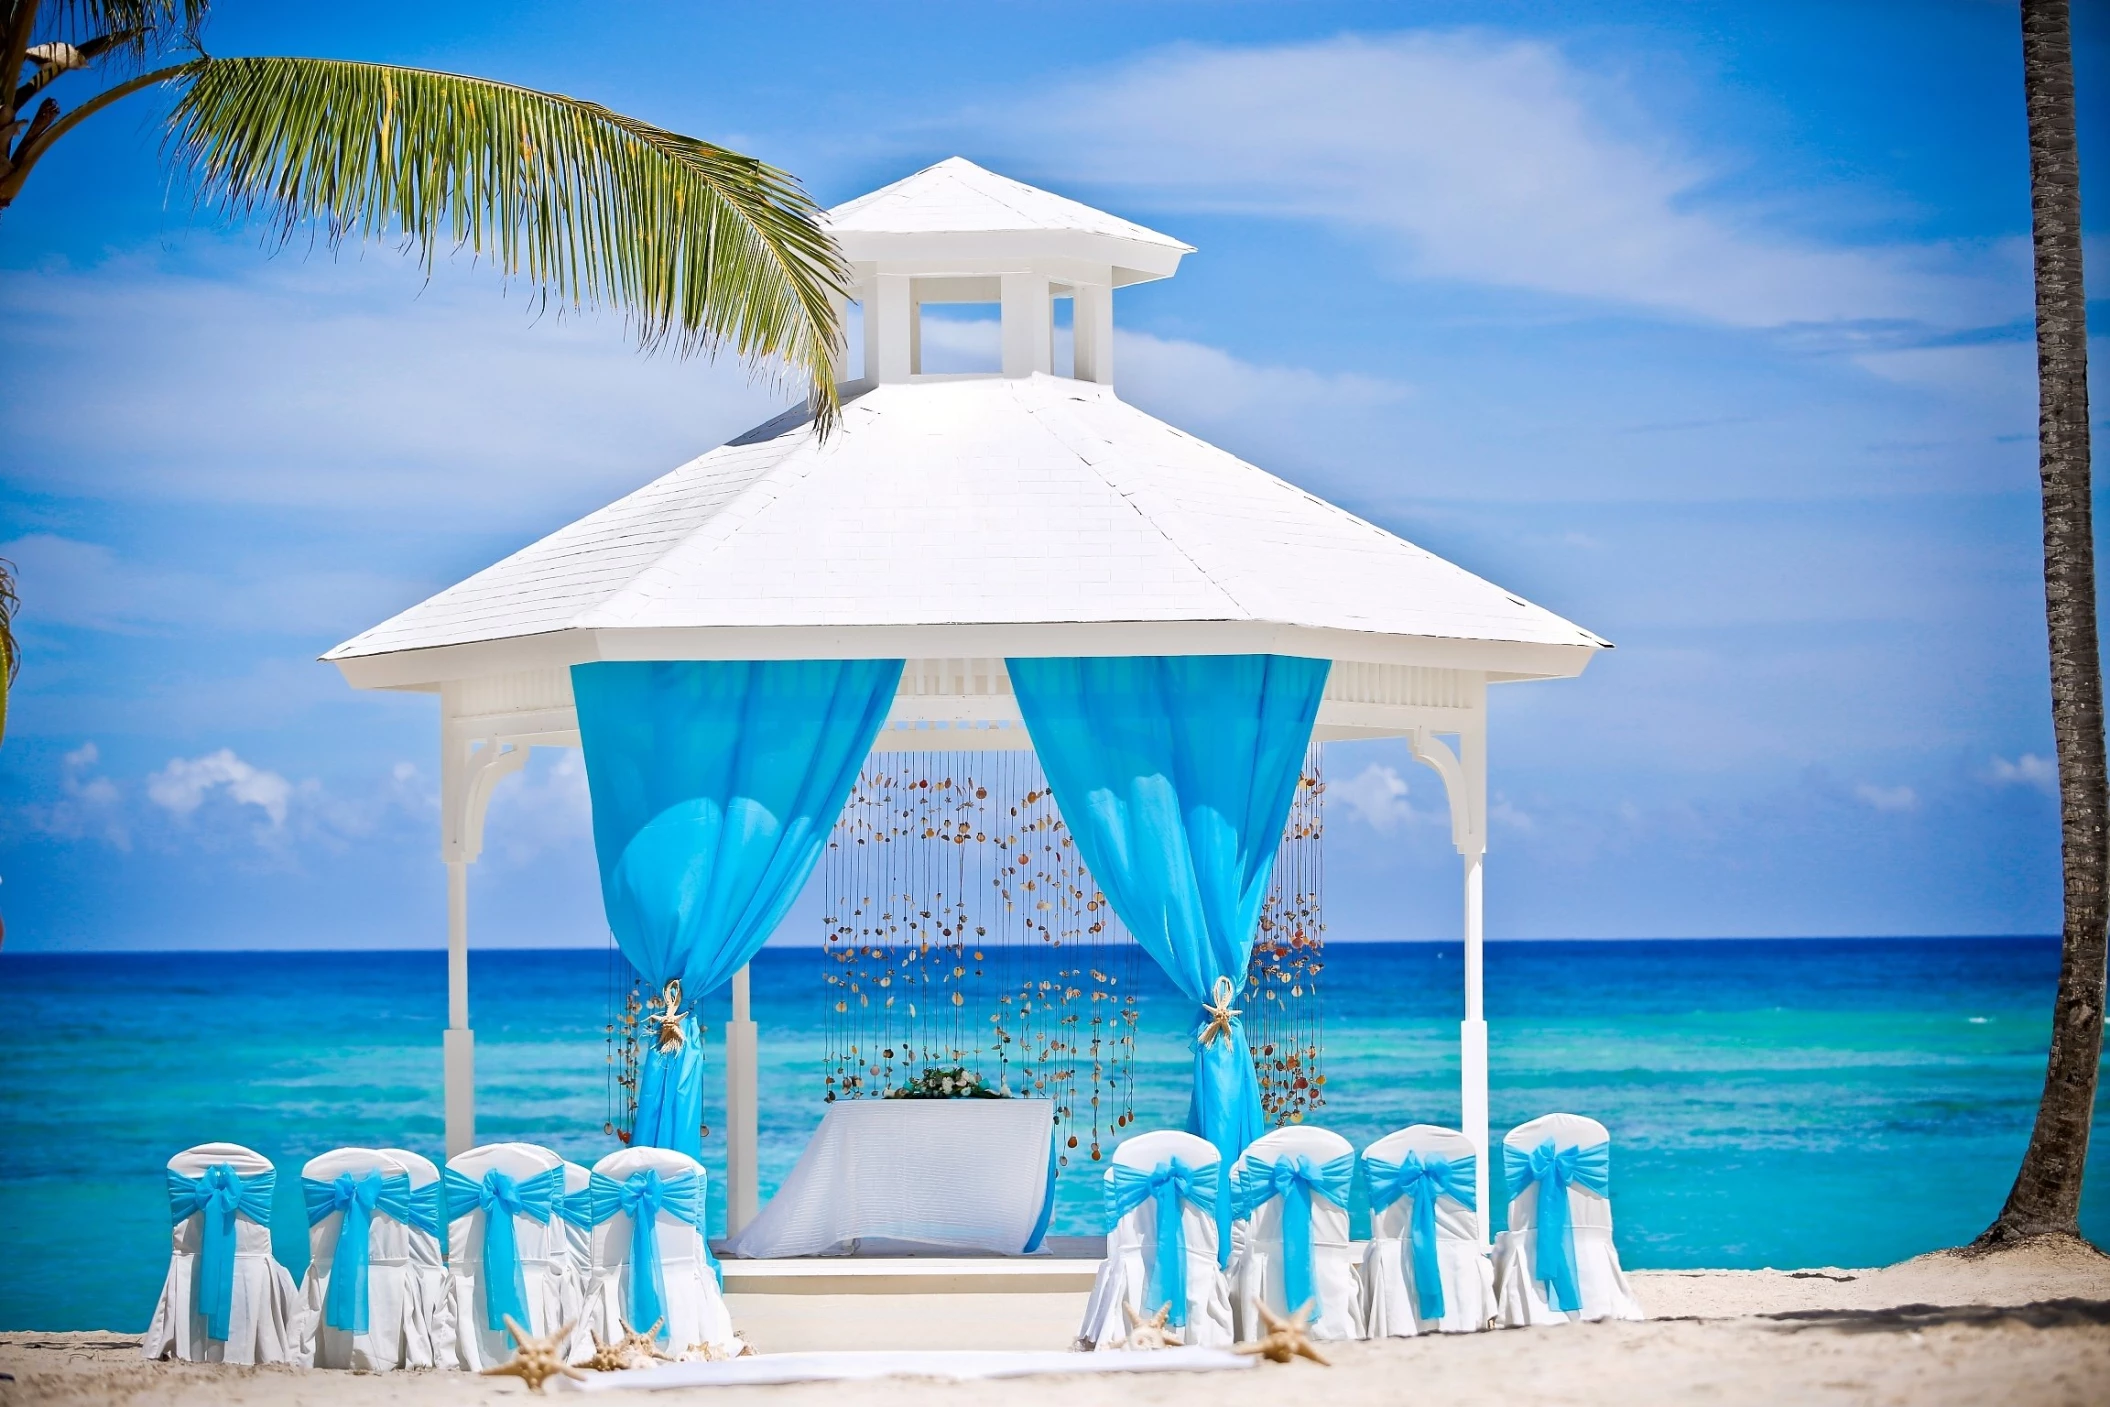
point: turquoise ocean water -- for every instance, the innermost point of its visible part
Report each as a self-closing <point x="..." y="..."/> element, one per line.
<point x="1883" y="1087"/>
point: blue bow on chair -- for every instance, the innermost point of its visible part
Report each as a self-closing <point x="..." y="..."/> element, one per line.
<point x="345" y="1307"/>
<point x="1423" y="1179"/>
<point x="1295" y="1179"/>
<point x="1166" y="1184"/>
<point x="218" y="1195"/>
<point x="501" y="1198"/>
<point x="642" y="1197"/>
<point x="1554" y="1171"/>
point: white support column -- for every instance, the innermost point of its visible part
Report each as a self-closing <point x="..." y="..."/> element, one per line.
<point x="1092" y="320"/>
<point x="469" y="768"/>
<point x="742" y="1194"/>
<point x="1028" y="324"/>
<point x="1464" y="774"/>
<point x="888" y="355"/>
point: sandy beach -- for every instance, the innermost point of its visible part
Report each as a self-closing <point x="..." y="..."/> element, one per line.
<point x="2024" y="1327"/>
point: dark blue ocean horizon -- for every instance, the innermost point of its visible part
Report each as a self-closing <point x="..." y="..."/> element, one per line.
<point x="1881" y="1088"/>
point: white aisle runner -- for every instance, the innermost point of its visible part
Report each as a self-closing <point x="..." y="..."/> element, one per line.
<point x="902" y="1176"/>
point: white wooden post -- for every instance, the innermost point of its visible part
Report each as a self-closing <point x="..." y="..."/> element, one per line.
<point x="469" y="768"/>
<point x="742" y="1196"/>
<point x="887" y="310"/>
<point x="1092" y="320"/>
<point x="1464" y="774"/>
<point x="1028" y="324"/>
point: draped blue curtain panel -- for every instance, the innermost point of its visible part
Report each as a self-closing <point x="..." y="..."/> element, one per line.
<point x="715" y="784"/>
<point x="1175" y="775"/>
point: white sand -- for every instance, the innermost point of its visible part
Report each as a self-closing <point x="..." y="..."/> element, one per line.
<point x="2024" y="1327"/>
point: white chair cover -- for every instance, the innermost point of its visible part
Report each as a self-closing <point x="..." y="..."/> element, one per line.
<point x="1257" y="1255"/>
<point x="266" y="1323"/>
<point x="477" y="1345"/>
<point x="1392" y="1307"/>
<point x="1601" y="1284"/>
<point x="428" y="1261"/>
<point x="695" y="1311"/>
<point x="1132" y="1244"/>
<point x="398" y="1332"/>
<point x="577" y="1268"/>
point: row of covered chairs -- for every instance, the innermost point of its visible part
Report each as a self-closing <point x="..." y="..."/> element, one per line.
<point x="1207" y="1250"/>
<point x="412" y="1266"/>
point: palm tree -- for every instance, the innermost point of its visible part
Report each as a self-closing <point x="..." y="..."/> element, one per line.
<point x="2046" y="1197"/>
<point x="700" y="248"/>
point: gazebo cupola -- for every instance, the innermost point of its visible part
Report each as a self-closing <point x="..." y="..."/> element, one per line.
<point x="955" y="233"/>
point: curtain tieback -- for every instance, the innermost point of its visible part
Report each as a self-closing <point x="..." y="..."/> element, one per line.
<point x="1221" y="1013"/>
<point x="217" y="1196"/>
<point x="1553" y="1171"/>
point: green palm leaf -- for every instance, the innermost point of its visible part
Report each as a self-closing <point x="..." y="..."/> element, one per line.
<point x="699" y="247"/>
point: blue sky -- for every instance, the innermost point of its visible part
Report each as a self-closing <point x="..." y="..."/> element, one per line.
<point x="1706" y="325"/>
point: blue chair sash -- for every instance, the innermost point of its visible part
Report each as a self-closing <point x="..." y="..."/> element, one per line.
<point x="426" y="1209"/>
<point x="577" y="1207"/>
<point x="1423" y="1179"/>
<point x="345" y="1305"/>
<point x="1166" y="1184"/>
<point x="1295" y="1179"/>
<point x="217" y="1196"/>
<point x="502" y="1197"/>
<point x="1553" y="1171"/>
<point x="642" y="1197"/>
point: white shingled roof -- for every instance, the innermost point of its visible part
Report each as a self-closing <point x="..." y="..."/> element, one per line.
<point x="958" y="197"/>
<point x="1043" y="507"/>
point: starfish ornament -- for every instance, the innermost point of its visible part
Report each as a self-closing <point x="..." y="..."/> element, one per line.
<point x="1221" y="1012"/>
<point x="1149" y="1333"/>
<point x="669" y="1020"/>
<point x="608" y="1357"/>
<point x="641" y="1349"/>
<point x="1285" y="1338"/>
<point x="533" y="1359"/>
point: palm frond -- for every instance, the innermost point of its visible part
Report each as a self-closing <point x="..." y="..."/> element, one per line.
<point x="699" y="247"/>
<point x="10" y="653"/>
<point x="132" y="30"/>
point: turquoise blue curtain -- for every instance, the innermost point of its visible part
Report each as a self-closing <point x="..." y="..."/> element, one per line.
<point x="714" y="786"/>
<point x="1175" y="775"/>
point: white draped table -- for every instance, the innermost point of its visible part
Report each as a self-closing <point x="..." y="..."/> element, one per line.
<point x="902" y="1176"/>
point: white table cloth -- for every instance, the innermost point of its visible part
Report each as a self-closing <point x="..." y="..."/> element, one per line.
<point x="902" y="1176"/>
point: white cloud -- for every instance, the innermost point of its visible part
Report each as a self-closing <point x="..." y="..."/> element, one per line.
<point x="345" y="384"/>
<point x="87" y="804"/>
<point x="2027" y="770"/>
<point x="87" y="585"/>
<point x="1376" y="796"/>
<point x="183" y="786"/>
<point x="1487" y="159"/>
<point x="1887" y="798"/>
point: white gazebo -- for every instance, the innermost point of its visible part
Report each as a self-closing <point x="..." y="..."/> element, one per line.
<point x="954" y="521"/>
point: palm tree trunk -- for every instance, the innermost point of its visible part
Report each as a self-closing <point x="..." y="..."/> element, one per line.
<point x="2046" y="1197"/>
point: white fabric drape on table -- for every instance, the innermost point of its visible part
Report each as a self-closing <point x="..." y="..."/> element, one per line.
<point x="267" y="1323"/>
<point x="1132" y="1245"/>
<point x="1391" y="1305"/>
<point x="1256" y="1246"/>
<point x="477" y="1345"/>
<point x="1598" y="1276"/>
<point x="695" y="1311"/>
<point x="899" y="1176"/>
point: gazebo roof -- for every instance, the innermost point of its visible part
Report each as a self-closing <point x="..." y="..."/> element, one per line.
<point x="968" y="216"/>
<point x="974" y="517"/>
